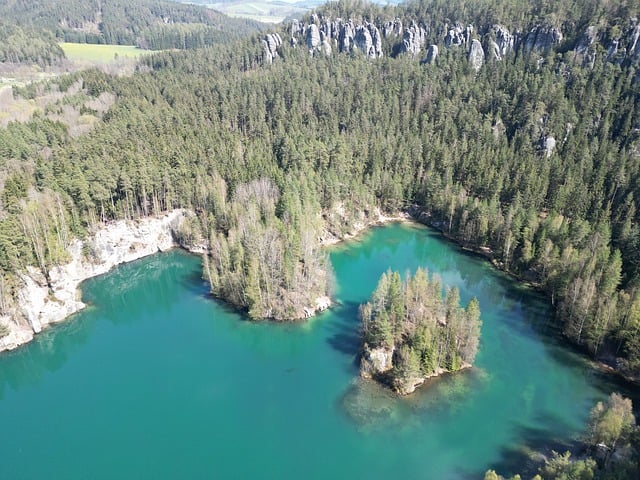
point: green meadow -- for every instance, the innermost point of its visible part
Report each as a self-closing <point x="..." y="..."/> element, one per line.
<point x="104" y="54"/>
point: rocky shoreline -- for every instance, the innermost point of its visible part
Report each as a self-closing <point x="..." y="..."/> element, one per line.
<point x="330" y="238"/>
<point x="377" y="364"/>
<point x="41" y="304"/>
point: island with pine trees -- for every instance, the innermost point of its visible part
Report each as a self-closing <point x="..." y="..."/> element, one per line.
<point x="412" y="333"/>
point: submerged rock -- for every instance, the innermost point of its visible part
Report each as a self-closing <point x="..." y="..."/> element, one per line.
<point x="368" y="404"/>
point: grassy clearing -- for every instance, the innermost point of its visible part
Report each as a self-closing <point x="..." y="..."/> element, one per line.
<point x="100" y="54"/>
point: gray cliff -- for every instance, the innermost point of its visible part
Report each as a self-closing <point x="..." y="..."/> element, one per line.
<point x="476" y="55"/>
<point x="270" y="45"/>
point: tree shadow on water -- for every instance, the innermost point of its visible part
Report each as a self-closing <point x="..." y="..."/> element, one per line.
<point x="534" y="445"/>
<point x="345" y="331"/>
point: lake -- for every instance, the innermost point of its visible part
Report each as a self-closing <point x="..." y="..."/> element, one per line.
<point x="157" y="380"/>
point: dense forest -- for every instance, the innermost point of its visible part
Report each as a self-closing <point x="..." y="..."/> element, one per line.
<point x="149" y="24"/>
<point x="421" y="333"/>
<point x="334" y="138"/>
<point x="18" y="45"/>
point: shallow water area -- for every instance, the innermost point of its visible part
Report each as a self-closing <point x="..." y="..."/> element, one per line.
<point x="157" y="380"/>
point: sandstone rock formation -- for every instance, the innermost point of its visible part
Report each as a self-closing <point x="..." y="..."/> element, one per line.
<point x="476" y="55"/>
<point x="313" y="37"/>
<point x="503" y="42"/>
<point x="541" y="39"/>
<point x="548" y="146"/>
<point x="432" y="54"/>
<point x="392" y="28"/>
<point x="458" y="35"/>
<point x="270" y="46"/>
<point x="413" y="39"/>
<point x="375" y="361"/>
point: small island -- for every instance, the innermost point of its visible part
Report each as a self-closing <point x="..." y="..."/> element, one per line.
<point x="411" y="332"/>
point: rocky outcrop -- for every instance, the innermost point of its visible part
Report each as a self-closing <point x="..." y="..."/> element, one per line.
<point x="623" y="48"/>
<point x="432" y="54"/>
<point x="495" y="42"/>
<point x="541" y="39"/>
<point x="346" y="37"/>
<point x="407" y="386"/>
<point x="584" y="51"/>
<point x="413" y="39"/>
<point x="633" y="49"/>
<point x="392" y="29"/>
<point x="119" y="242"/>
<point x="322" y="303"/>
<point x="375" y="361"/>
<point x="313" y="37"/>
<point x="458" y="35"/>
<point x="325" y="46"/>
<point x="502" y="42"/>
<point x="476" y="55"/>
<point x="548" y="146"/>
<point x="376" y="38"/>
<point x="363" y="41"/>
<point x="270" y="46"/>
<point x="368" y="40"/>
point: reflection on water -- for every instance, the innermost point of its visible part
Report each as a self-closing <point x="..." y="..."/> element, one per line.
<point x="158" y="275"/>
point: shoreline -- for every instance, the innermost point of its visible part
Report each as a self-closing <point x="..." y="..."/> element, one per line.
<point x="330" y="239"/>
<point x="41" y="305"/>
<point x="123" y="241"/>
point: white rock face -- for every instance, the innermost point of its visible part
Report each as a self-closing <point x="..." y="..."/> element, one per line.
<point x="476" y="55"/>
<point x="375" y="361"/>
<point x="115" y="243"/>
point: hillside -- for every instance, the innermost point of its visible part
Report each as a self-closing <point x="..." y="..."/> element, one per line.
<point x="148" y="24"/>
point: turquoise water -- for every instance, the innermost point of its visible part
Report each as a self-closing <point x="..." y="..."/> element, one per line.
<point x="156" y="381"/>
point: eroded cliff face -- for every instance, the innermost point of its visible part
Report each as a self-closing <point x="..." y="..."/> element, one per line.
<point x="378" y="364"/>
<point x="375" y="361"/>
<point x="40" y="305"/>
<point x="481" y="43"/>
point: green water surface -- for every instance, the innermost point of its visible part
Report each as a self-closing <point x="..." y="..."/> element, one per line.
<point x="158" y="381"/>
